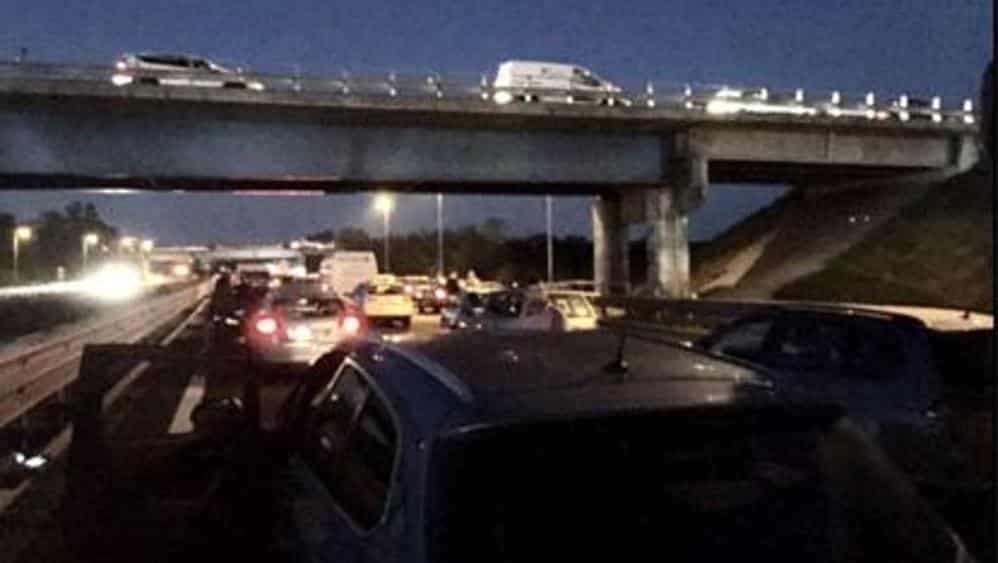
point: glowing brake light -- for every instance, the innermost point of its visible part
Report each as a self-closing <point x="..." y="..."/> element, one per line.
<point x="266" y="326"/>
<point x="351" y="324"/>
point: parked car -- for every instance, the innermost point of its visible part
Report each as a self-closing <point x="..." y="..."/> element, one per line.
<point x="528" y="310"/>
<point x="385" y="302"/>
<point x="538" y="81"/>
<point x="476" y="447"/>
<point x="298" y="322"/>
<point x="171" y="69"/>
<point x="890" y="369"/>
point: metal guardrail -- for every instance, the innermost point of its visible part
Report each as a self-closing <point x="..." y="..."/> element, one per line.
<point x="678" y="312"/>
<point x="692" y="97"/>
<point x="33" y="371"/>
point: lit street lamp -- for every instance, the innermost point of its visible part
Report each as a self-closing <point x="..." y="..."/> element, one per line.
<point x="20" y="234"/>
<point x="147" y="245"/>
<point x="383" y="204"/>
<point x="88" y="240"/>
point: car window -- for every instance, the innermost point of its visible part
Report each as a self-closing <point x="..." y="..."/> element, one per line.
<point x="387" y="290"/>
<point x="572" y="306"/>
<point x="802" y="344"/>
<point x="745" y="340"/>
<point x="352" y="447"/>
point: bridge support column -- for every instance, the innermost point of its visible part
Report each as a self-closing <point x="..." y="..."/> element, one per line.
<point x="611" y="267"/>
<point x="668" y="244"/>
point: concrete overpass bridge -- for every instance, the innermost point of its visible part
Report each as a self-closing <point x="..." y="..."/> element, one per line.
<point x="650" y="163"/>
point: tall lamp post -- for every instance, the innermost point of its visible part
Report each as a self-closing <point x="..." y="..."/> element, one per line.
<point x="440" y="234"/>
<point x="20" y="234"/>
<point x="547" y="209"/>
<point x="88" y="240"/>
<point x="383" y="205"/>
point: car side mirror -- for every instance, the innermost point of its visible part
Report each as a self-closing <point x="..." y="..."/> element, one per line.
<point x="218" y="415"/>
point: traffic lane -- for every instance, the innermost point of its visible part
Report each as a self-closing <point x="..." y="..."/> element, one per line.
<point x="237" y="376"/>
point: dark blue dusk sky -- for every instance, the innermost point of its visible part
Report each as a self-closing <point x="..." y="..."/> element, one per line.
<point x="919" y="46"/>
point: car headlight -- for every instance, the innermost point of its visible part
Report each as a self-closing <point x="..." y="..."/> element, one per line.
<point x="255" y="86"/>
<point x="502" y="97"/>
<point x="121" y="79"/>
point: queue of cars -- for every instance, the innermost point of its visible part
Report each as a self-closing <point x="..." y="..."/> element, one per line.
<point x="527" y="81"/>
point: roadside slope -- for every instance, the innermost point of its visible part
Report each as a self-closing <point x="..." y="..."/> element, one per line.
<point x="938" y="250"/>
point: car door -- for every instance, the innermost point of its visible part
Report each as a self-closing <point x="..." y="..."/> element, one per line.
<point x="857" y="363"/>
<point x="346" y="471"/>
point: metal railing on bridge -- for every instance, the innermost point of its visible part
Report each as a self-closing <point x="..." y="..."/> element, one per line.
<point x="718" y="99"/>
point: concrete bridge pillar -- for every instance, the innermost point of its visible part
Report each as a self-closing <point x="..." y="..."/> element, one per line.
<point x="668" y="244"/>
<point x="611" y="267"/>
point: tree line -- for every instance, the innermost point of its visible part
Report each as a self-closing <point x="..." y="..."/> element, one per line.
<point x="56" y="241"/>
<point x="485" y="248"/>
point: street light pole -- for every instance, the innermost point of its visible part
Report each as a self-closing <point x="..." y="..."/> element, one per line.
<point x="20" y="233"/>
<point x="547" y="202"/>
<point x="383" y="204"/>
<point x="440" y="234"/>
<point x="88" y="240"/>
<point x="388" y="259"/>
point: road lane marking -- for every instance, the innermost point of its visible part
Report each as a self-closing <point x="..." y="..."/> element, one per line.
<point x="193" y="394"/>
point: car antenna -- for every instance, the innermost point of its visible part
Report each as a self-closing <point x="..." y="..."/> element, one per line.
<point x="618" y="366"/>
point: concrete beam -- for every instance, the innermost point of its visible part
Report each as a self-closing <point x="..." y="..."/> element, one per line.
<point x="823" y="146"/>
<point x="611" y="264"/>
<point x="143" y="145"/>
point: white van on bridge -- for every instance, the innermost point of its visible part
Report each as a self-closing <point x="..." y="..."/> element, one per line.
<point x="537" y="81"/>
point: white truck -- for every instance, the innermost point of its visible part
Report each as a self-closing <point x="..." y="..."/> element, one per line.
<point x="538" y="81"/>
<point x="344" y="270"/>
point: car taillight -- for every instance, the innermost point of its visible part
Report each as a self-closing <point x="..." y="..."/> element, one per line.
<point x="264" y="327"/>
<point x="351" y="324"/>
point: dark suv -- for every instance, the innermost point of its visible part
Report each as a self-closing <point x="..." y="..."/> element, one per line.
<point x="477" y="447"/>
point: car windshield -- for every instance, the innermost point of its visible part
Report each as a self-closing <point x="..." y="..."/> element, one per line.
<point x="304" y="299"/>
<point x="386" y="290"/>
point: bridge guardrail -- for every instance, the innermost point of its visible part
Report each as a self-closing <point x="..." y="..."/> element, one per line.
<point x="691" y="96"/>
<point x="686" y="316"/>
<point x="30" y="372"/>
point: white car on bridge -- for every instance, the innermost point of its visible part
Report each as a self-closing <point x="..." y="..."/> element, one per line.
<point x="169" y="69"/>
<point x="538" y="81"/>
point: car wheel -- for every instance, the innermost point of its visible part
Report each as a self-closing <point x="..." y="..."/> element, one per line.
<point x="235" y="85"/>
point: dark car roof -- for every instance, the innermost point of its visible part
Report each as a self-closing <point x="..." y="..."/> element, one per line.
<point x="491" y="378"/>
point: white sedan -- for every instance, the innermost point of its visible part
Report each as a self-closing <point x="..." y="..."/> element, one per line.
<point x="167" y="69"/>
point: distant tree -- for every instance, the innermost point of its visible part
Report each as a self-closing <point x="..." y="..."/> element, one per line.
<point x="352" y="238"/>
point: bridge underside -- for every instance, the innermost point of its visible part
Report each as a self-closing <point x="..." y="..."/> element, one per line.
<point x="646" y="166"/>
